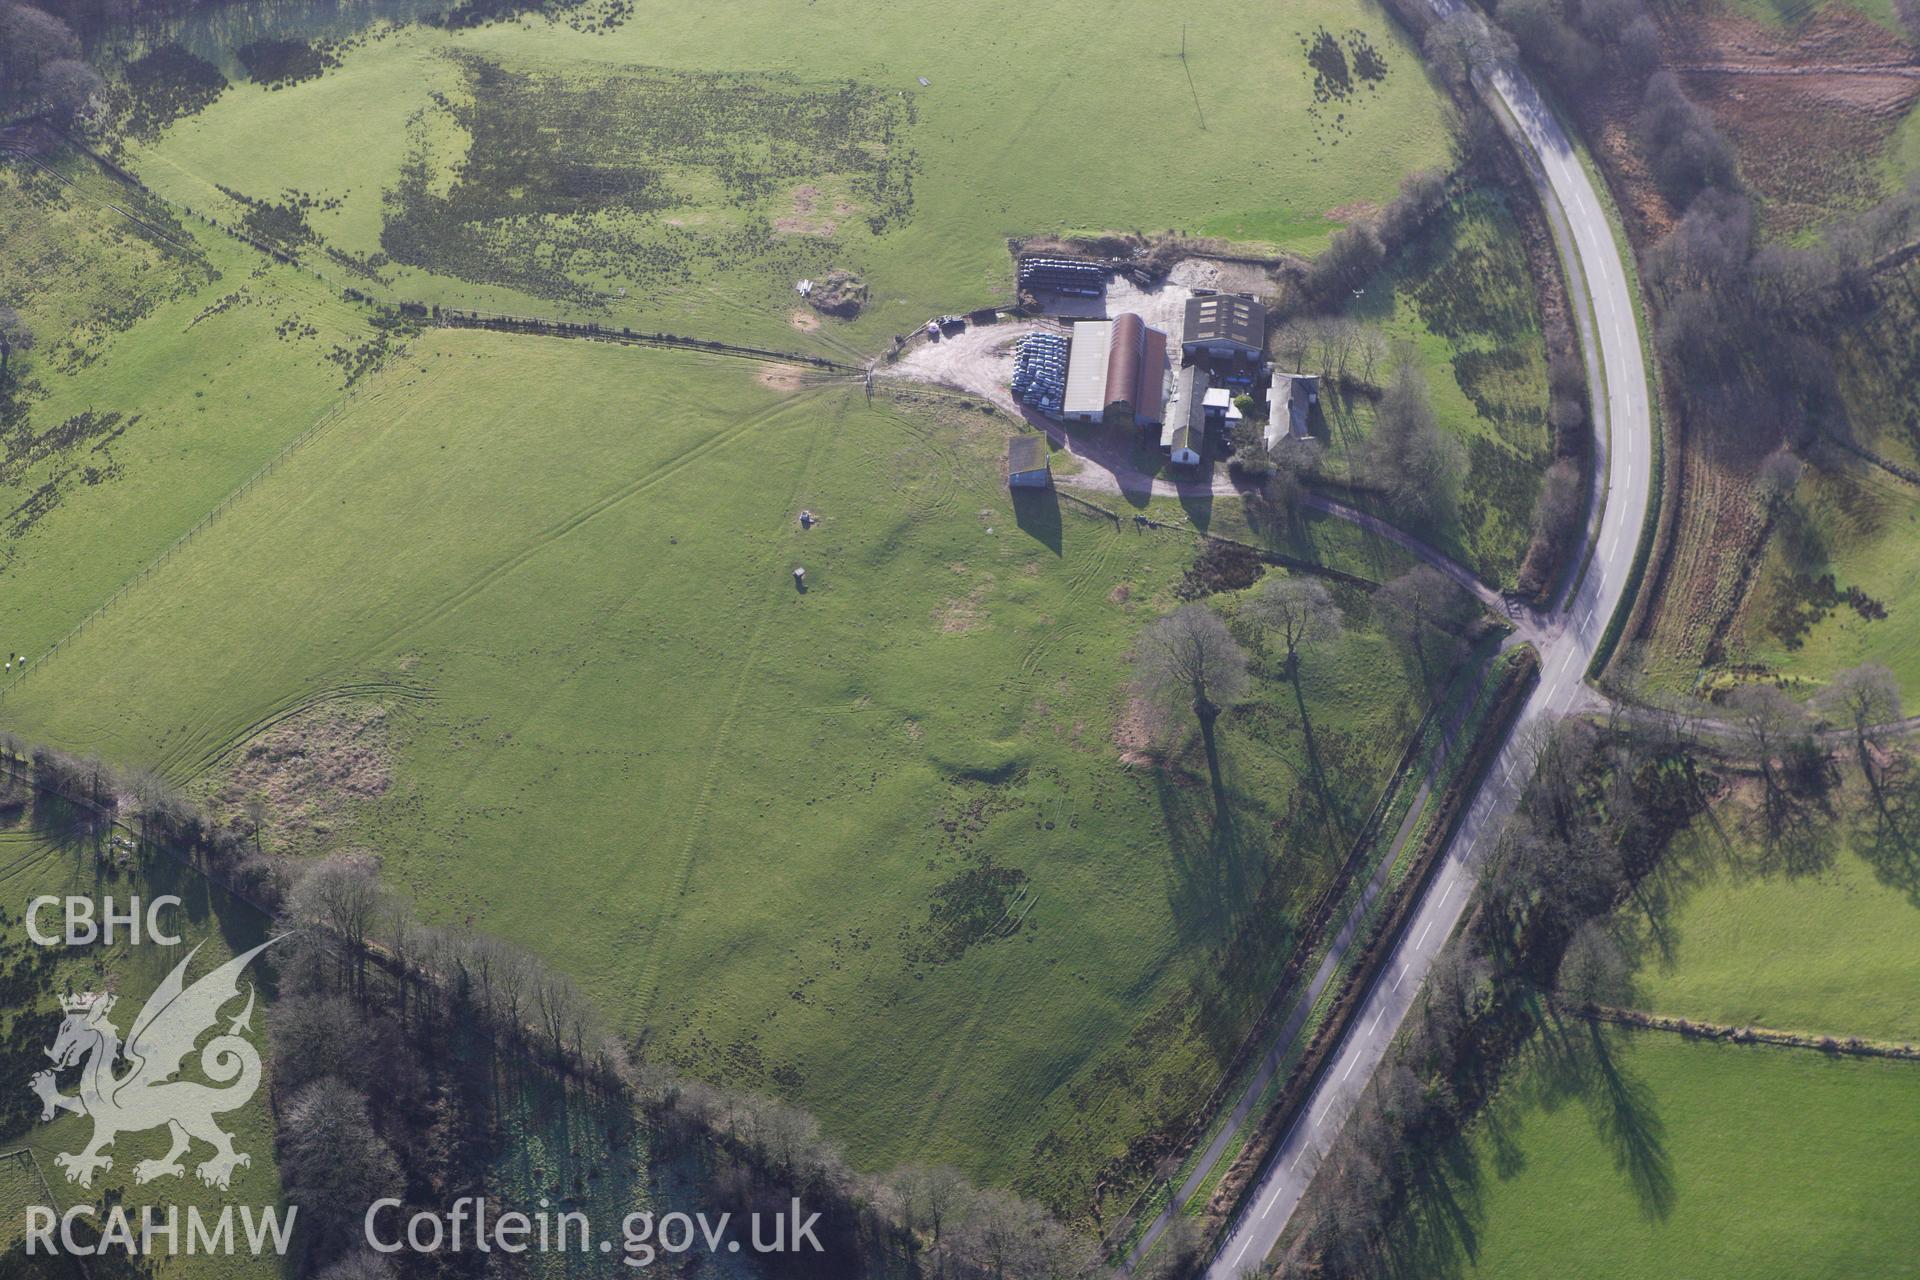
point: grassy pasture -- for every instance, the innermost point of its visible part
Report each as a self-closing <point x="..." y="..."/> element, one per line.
<point x="1851" y="519"/>
<point x="1459" y="299"/>
<point x="1858" y="524"/>
<point x="1033" y="120"/>
<point x="1794" y="13"/>
<point x="165" y="374"/>
<point x="39" y="855"/>
<point x="788" y="832"/>
<point x="1815" y="933"/>
<point x="1645" y="1154"/>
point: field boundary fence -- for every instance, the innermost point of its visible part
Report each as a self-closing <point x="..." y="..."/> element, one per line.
<point x="273" y="464"/>
<point x="503" y="322"/>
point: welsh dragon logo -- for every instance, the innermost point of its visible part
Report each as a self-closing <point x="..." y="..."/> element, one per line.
<point x="144" y="1094"/>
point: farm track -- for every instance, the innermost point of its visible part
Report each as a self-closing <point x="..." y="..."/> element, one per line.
<point x="647" y="983"/>
<point x="557" y="531"/>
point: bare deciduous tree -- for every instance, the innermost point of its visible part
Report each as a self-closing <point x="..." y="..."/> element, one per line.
<point x="1407" y="457"/>
<point x="1300" y="610"/>
<point x="341" y="893"/>
<point x="1593" y="970"/>
<point x="1767" y="720"/>
<point x="1187" y="660"/>
<point x="1425" y="611"/>
<point x="932" y="1198"/>
<point x="332" y="1162"/>
<point x="1866" y="700"/>
<point x="316" y="1036"/>
<point x="1464" y="43"/>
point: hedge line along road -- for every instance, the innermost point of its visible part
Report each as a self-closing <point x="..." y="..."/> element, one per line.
<point x="1623" y="429"/>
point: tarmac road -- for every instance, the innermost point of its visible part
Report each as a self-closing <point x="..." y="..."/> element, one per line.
<point x="1623" y="428"/>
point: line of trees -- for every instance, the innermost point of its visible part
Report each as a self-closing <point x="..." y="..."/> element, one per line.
<point x="1189" y="667"/>
<point x="1601" y="806"/>
<point x="1415" y="465"/>
<point x="1360" y="248"/>
<point x="386" y="1036"/>
<point x="393" y="1041"/>
<point x="1575" y="43"/>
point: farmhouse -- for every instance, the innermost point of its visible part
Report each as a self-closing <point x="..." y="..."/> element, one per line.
<point x="1223" y="326"/>
<point x="1027" y="466"/>
<point x="1290" y="406"/>
<point x="1116" y="372"/>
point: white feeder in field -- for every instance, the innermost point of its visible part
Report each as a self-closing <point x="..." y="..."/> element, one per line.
<point x="799" y="575"/>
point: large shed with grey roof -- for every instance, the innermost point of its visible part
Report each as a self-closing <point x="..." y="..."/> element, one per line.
<point x="1223" y="325"/>
<point x="1290" y="406"/>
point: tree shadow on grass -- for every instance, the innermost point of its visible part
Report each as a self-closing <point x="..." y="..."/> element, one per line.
<point x="72" y="829"/>
<point x="1214" y="866"/>
<point x="1439" y="1232"/>
<point x="1234" y="891"/>
<point x="1887" y="833"/>
<point x="1580" y="1060"/>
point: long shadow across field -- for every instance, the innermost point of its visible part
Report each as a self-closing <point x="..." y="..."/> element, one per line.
<point x="1037" y="512"/>
<point x="1568" y="1061"/>
<point x="1887" y="834"/>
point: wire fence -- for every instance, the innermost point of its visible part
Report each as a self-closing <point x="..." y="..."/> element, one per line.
<point x="273" y="464"/>
<point x="504" y="322"/>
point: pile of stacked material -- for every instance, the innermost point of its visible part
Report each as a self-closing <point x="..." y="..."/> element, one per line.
<point x="1040" y="371"/>
<point x="1063" y="275"/>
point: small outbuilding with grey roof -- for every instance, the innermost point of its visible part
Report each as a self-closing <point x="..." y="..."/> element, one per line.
<point x="1027" y="466"/>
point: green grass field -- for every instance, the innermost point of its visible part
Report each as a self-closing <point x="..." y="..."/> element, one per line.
<point x="1031" y="121"/>
<point x="1793" y="13"/>
<point x="1644" y="1154"/>
<point x="1857" y="523"/>
<point x="528" y="604"/>
<point x="1816" y="934"/>
<point x="787" y="832"/>
<point x="163" y="377"/>
<point x="1460" y="299"/>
